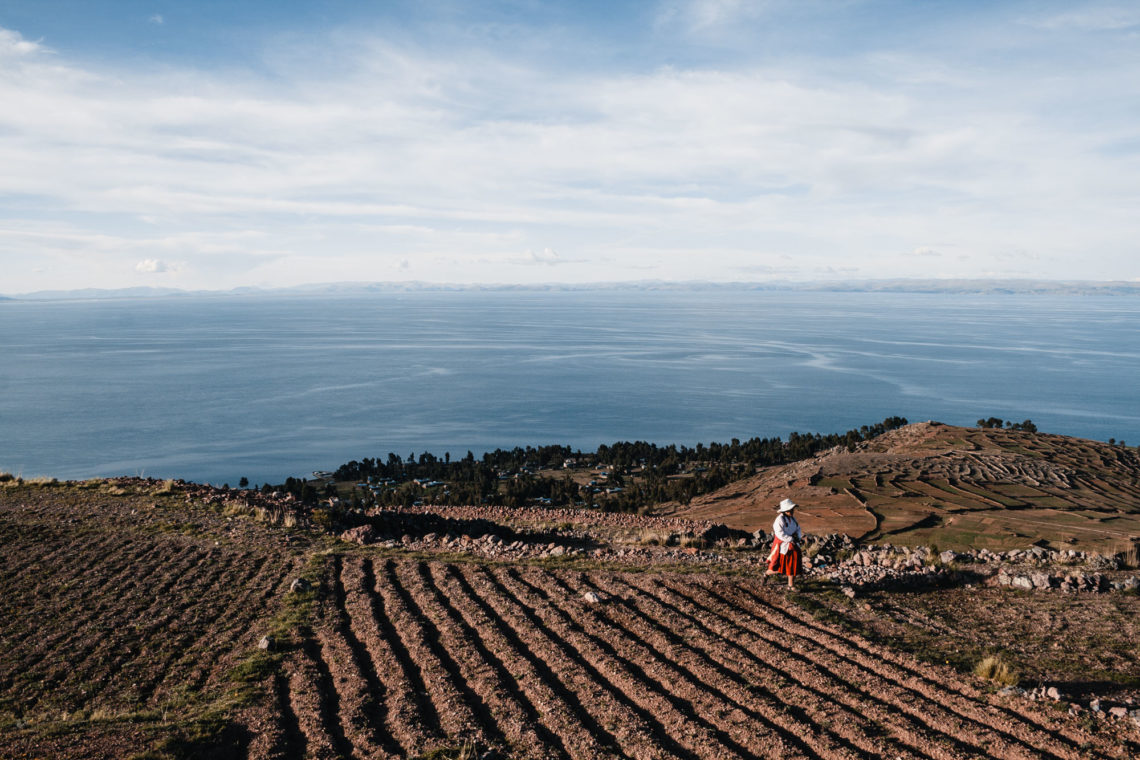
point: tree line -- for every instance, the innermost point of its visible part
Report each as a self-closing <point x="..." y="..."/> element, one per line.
<point x="638" y="473"/>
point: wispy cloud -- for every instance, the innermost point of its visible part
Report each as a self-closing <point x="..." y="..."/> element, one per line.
<point x="12" y="43"/>
<point x="391" y="160"/>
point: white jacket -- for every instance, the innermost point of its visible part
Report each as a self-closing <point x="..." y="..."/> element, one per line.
<point x="787" y="530"/>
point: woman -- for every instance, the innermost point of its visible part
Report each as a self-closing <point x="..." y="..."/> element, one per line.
<point x="785" y="556"/>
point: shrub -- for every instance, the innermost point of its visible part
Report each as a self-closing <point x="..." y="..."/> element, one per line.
<point x="997" y="670"/>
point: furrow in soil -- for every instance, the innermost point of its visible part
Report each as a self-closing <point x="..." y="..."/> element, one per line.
<point x="924" y="706"/>
<point x="408" y="716"/>
<point x="560" y="707"/>
<point x="806" y="720"/>
<point x="451" y="697"/>
<point x="721" y="718"/>
<point x="964" y="702"/>
<point x="515" y="716"/>
<point x="787" y="669"/>
<point x="635" y="720"/>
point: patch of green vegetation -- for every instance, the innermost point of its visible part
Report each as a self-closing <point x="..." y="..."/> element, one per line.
<point x="822" y="603"/>
<point x="203" y="739"/>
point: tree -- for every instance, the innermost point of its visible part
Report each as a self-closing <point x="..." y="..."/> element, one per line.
<point x="244" y="482"/>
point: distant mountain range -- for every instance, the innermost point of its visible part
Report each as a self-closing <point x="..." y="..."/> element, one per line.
<point x="1052" y="287"/>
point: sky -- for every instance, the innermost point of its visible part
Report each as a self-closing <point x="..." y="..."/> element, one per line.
<point x="213" y="144"/>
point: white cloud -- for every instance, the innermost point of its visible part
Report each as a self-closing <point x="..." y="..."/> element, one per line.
<point x="387" y="158"/>
<point x="152" y="266"/>
<point x="156" y="19"/>
<point x="12" y="43"/>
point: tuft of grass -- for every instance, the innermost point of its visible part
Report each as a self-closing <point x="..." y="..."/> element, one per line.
<point x="693" y="542"/>
<point x="1130" y="557"/>
<point x="996" y="669"/>
<point x="650" y="537"/>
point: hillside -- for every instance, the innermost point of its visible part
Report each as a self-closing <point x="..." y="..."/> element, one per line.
<point x="151" y="620"/>
<point x="929" y="483"/>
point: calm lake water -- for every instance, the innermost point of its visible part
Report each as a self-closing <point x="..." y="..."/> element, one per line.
<point x="213" y="389"/>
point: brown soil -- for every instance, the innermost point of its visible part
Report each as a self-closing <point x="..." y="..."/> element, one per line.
<point x="132" y="628"/>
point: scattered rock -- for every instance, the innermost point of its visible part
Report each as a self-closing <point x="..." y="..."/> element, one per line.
<point x="362" y="534"/>
<point x="848" y="592"/>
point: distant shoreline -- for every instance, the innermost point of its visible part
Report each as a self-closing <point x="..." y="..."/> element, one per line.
<point x="919" y="286"/>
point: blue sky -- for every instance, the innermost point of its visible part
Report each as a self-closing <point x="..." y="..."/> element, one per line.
<point x="219" y="144"/>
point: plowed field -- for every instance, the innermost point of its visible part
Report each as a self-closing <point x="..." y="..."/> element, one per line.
<point x="415" y="656"/>
<point x="124" y="631"/>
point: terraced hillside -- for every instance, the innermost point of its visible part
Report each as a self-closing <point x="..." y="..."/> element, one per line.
<point x="955" y="487"/>
<point x="132" y="620"/>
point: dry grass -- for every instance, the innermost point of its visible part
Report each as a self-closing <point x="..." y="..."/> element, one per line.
<point x="997" y="670"/>
<point x="1130" y="557"/>
<point x="651" y="537"/>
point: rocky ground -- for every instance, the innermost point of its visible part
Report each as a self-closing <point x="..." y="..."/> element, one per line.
<point x="168" y="620"/>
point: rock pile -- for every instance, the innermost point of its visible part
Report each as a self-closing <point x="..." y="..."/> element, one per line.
<point x="881" y="567"/>
<point x="1068" y="582"/>
<point x="1032" y="569"/>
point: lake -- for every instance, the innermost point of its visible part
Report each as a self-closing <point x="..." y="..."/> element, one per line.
<point x="267" y="386"/>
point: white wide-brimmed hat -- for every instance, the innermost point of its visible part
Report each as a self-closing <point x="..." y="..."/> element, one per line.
<point x="787" y="505"/>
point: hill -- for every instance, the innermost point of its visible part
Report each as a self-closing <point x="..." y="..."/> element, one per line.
<point x="929" y="483"/>
<point x="162" y="620"/>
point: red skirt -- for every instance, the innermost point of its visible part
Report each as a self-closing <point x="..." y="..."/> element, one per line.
<point x="784" y="564"/>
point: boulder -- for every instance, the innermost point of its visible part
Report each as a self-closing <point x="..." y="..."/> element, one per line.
<point x="593" y="597"/>
<point x="361" y="534"/>
<point x="1022" y="582"/>
<point x="1118" y="712"/>
<point x="1053" y="693"/>
<point x="948" y="556"/>
<point x="266" y="643"/>
<point x="1041" y="581"/>
<point x="298" y="585"/>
